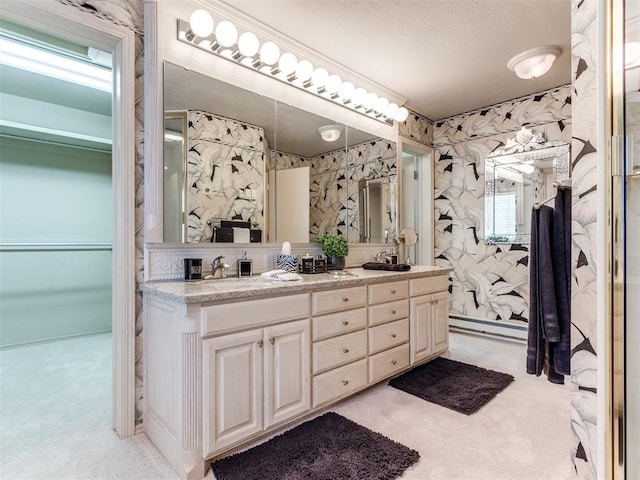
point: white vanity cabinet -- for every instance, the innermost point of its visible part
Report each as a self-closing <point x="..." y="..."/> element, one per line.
<point x="254" y="380"/>
<point x="429" y="317"/>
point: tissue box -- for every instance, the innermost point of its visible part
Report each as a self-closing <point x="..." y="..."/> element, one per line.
<point x="288" y="263"/>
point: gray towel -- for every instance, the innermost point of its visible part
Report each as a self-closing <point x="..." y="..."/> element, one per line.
<point x="561" y="259"/>
<point x="391" y="267"/>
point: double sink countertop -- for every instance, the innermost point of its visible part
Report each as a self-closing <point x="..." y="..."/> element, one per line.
<point x="236" y="288"/>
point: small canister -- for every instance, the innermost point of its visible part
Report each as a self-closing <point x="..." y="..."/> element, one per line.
<point x="192" y="269"/>
<point x="307" y="264"/>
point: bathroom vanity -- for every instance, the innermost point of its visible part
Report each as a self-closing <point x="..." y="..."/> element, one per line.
<point x="230" y="361"/>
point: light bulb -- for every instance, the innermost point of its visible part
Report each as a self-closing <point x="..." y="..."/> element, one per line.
<point x="402" y="114"/>
<point x="358" y="96"/>
<point x="304" y="70"/>
<point x="319" y="77"/>
<point x="287" y="63"/>
<point x="334" y="82"/>
<point x="381" y="105"/>
<point x="226" y="34"/>
<point x="269" y="53"/>
<point x="201" y="23"/>
<point x="248" y="44"/>
<point x="346" y="91"/>
<point x="369" y="101"/>
<point x="392" y="110"/>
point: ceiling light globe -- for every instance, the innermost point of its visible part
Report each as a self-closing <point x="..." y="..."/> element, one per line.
<point x="392" y="110"/>
<point x="381" y="105"/>
<point x="320" y="77"/>
<point x="226" y="34"/>
<point x="370" y="100"/>
<point x="248" y="44"/>
<point x="402" y="115"/>
<point x="534" y="62"/>
<point x="304" y="70"/>
<point x="269" y="53"/>
<point x="287" y="63"/>
<point x="358" y="96"/>
<point x="330" y="133"/>
<point x="201" y="23"/>
<point x="334" y="82"/>
<point x="346" y="91"/>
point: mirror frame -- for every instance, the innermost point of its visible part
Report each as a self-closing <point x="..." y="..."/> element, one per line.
<point x="161" y="44"/>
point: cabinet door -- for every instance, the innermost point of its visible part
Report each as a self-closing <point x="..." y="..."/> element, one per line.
<point x="286" y="371"/>
<point x="440" y="318"/>
<point x="232" y="389"/>
<point x="420" y="328"/>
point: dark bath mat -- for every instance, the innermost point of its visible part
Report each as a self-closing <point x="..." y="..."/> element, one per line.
<point x="459" y="386"/>
<point x="329" y="447"/>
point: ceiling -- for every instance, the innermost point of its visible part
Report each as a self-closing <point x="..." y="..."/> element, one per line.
<point x="445" y="56"/>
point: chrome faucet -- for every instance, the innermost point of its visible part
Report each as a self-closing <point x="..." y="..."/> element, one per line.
<point x="383" y="257"/>
<point x="217" y="267"/>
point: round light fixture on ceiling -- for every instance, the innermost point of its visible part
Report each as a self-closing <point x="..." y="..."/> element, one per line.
<point x="330" y="133"/>
<point x="534" y="62"/>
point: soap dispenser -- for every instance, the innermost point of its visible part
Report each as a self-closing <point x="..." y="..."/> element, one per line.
<point x="245" y="266"/>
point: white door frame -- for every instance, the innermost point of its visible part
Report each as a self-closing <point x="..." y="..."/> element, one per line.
<point x="84" y="28"/>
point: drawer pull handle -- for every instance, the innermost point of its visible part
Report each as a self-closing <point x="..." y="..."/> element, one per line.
<point x="345" y="323"/>
<point x="272" y="341"/>
<point x="345" y="299"/>
<point x="393" y="362"/>
<point x="393" y="335"/>
<point x="436" y="301"/>
<point x="393" y="312"/>
<point x="260" y="343"/>
<point x="393" y="292"/>
<point x="345" y="382"/>
<point x="345" y="350"/>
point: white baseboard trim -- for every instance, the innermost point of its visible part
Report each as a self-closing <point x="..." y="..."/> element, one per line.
<point x="487" y="327"/>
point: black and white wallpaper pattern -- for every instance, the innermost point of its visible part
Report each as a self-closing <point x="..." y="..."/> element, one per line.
<point x="584" y="155"/>
<point x="225" y="174"/>
<point x="489" y="282"/>
<point x="333" y="183"/>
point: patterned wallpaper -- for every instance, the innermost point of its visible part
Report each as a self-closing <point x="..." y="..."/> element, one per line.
<point x="225" y="174"/>
<point x="489" y="282"/>
<point x="584" y="154"/>
<point x="334" y="199"/>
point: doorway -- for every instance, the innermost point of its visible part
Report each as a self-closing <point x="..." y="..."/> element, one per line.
<point x="79" y="27"/>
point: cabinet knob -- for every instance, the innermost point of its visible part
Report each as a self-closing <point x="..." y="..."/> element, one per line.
<point x="393" y="292"/>
<point x="436" y="301"/>
<point x="393" y="335"/>
<point x="345" y="299"/>
<point x="272" y="341"/>
<point x="345" y="350"/>
<point x="393" y="312"/>
<point x="345" y="323"/>
<point x="260" y="343"/>
<point x="393" y="362"/>
<point x="345" y="382"/>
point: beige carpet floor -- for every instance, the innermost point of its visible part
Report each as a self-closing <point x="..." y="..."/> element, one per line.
<point x="55" y="415"/>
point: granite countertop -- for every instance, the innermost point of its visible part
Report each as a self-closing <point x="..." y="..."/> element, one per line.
<point x="235" y="288"/>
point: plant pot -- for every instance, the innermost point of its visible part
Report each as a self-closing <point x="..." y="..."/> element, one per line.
<point x="335" y="263"/>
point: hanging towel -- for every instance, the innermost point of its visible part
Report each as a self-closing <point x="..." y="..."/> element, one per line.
<point x="561" y="259"/>
<point x="543" y="318"/>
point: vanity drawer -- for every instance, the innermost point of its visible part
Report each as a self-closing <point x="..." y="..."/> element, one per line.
<point x="387" y="312"/>
<point x="422" y="286"/>
<point x="387" y="292"/>
<point x="388" y="335"/>
<point x="336" y="300"/>
<point x="385" y="364"/>
<point x="235" y="316"/>
<point x="340" y="382"/>
<point x="339" y="350"/>
<point x="338" y="323"/>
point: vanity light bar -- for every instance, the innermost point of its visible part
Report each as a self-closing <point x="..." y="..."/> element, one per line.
<point x="267" y="59"/>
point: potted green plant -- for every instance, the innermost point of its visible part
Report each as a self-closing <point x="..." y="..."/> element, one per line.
<point x="335" y="248"/>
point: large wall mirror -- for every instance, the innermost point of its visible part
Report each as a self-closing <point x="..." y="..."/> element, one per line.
<point x="525" y="172"/>
<point x="242" y="167"/>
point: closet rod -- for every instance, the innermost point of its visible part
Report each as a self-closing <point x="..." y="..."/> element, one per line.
<point x="55" y="247"/>
<point x="559" y="185"/>
<point x="59" y="144"/>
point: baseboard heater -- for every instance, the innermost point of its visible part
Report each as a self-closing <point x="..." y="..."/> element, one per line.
<point x="487" y="327"/>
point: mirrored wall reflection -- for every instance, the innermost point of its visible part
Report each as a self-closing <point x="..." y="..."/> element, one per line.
<point x="262" y="171"/>
<point x="516" y="181"/>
